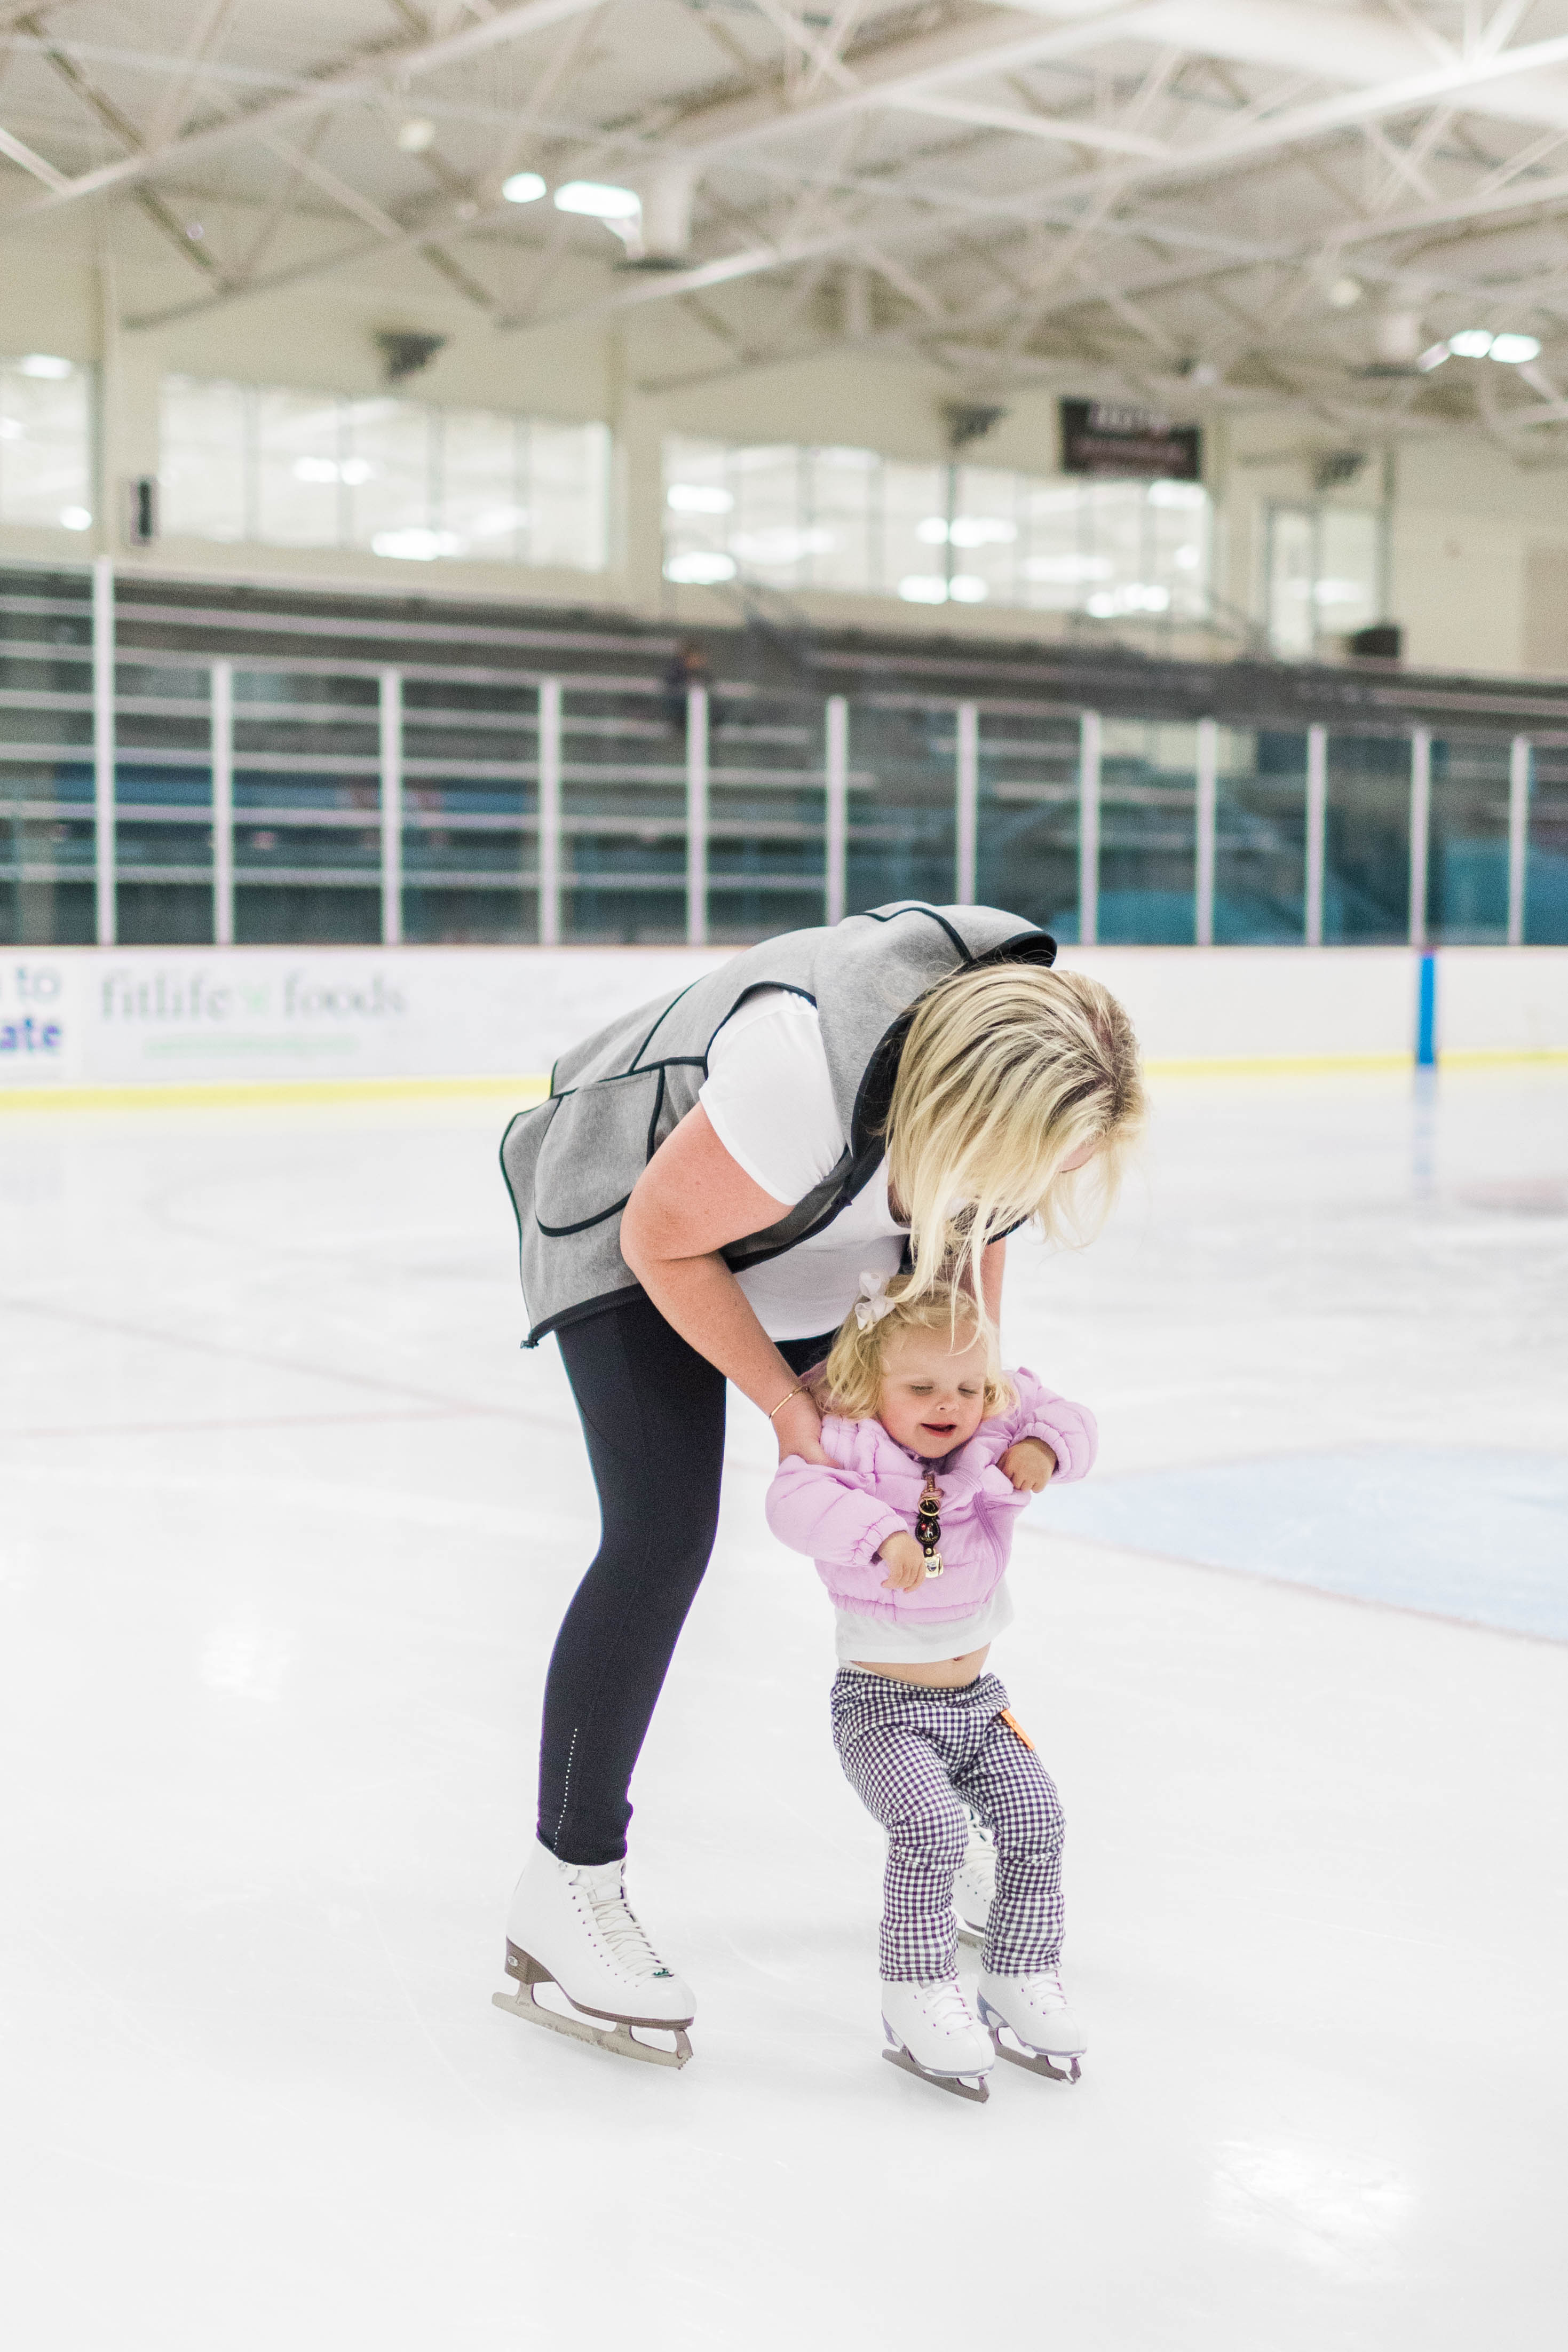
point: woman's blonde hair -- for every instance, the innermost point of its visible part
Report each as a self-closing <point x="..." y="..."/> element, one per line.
<point x="1007" y="1071"/>
<point x="852" y="1381"/>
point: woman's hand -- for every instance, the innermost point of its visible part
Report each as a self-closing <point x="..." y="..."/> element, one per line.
<point x="905" y="1563"/>
<point x="1030" y="1465"/>
<point x="798" y="1428"/>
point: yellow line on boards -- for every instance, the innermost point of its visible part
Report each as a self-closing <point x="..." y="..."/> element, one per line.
<point x="226" y="1094"/>
<point x="242" y="1093"/>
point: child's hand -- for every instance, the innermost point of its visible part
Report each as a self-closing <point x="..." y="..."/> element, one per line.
<point x="905" y="1563"/>
<point x="1030" y="1465"/>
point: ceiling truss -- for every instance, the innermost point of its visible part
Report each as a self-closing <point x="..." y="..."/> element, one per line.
<point x="1209" y="201"/>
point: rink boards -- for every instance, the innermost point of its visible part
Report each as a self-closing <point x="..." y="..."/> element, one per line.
<point x="162" y="1017"/>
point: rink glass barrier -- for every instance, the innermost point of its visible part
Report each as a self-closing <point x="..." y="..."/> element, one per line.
<point x="176" y="776"/>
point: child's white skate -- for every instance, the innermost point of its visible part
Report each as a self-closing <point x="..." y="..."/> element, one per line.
<point x="976" y="1882"/>
<point x="1034" y="2010"/>
<point x="570" y="1925"/>
<point x="933" y="2032"/>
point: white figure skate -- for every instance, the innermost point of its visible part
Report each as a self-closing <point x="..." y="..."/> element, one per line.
<point x="976" y="1882"/>
<point x="570" y="1925"/>
<point x="933" y="2032"/>
<point x="1034" y="2010"/>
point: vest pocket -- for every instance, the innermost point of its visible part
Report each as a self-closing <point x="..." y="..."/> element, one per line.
<point x="598" y="1143"/>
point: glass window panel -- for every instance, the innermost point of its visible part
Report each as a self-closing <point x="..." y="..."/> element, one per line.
<point x="1366" y="861"/>
<point x="568" y="494"/>
<point x="1147" y="833"/>
<point x="299" y="439"/>
<point x="1467" y="855"/>
<point x="844" y="518"/>
<point x="390" y="450"/>
<point x="483" y="503"/>
<point x="1026" y="833"/>
<point x="46" y="448"/>
<point x="202" y="436"/>
<point x="901" y="774"/>
<point x="1291" y="621"/>
<point x="914" y="532"/>
<point x="1260" y="835"/>
<point x="1345" y="592"/>
<point x="1546" y="853"/>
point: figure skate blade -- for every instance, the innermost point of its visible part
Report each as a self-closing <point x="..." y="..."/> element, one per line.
<point x="614" y="2034"/>
<point x="962" y="2085"/>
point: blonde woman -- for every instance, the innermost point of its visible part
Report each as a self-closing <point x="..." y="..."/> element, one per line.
<point x="697" y="1202"/>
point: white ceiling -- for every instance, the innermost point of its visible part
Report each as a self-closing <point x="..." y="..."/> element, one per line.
<point x="1199" y="202"/>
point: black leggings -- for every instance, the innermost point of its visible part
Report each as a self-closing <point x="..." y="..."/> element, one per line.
<point x="653" y="1416"/>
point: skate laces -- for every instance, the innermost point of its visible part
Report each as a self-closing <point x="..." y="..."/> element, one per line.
<point x="945" y="2006"/>
<point x="625" y="1937"/>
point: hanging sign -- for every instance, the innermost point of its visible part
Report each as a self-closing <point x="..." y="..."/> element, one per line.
<point x="1115" y="439"/>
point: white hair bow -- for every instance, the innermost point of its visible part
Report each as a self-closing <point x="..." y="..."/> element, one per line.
<point x="873" y="1302"/>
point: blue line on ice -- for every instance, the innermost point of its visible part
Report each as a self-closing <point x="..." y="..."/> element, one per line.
<point x="1480" y="1536"/>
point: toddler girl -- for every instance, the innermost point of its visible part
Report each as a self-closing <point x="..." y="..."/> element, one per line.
<point x="932" y="1453"/>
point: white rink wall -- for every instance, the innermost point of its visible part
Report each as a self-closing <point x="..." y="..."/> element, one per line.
<point x="89" y="1017"/>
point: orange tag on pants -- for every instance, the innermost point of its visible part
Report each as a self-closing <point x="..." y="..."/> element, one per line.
<point x="1006" y="1714"/>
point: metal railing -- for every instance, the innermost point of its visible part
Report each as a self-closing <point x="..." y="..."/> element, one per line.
<point x="186" y="796"/>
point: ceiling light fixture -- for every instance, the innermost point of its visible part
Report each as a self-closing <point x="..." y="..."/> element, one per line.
<point x="416" y="135"/>
<point x="1470" y="343"/>
<point x="522" y="188"/>
<point x="1514" y="351"/>
<point x="598" y="201"/>
<point x="46" y="365"/>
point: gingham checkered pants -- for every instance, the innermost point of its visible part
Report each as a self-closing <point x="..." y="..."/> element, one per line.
<point x="915" y="1756"/>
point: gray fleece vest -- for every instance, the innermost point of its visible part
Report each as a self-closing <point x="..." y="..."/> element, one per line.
<point x="572" y="1162"/>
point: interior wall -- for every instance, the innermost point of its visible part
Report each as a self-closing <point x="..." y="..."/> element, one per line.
<point x="1473" y="539"/>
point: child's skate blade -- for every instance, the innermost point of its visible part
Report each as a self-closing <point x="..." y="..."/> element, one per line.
<point x="966" y="2086"/>
<point x="967" y="1932"/>
<point x="614" y="2034"/>
<point x="1060" y="2069"/>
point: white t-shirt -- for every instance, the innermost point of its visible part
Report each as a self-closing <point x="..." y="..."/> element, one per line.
<point x="856" y="1637"/>
<point x="769" y="1100"/>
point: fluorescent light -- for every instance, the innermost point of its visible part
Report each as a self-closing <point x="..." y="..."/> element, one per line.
<point x="45" y="364"/>
<point x="697" y="498"/>
<point x="924" y="588"/>
<point x="932" y="532"/>
<point x="1432" y="357"/>
<point x="965" y="588"/>
<point x="416" y="135"/>
<point x="75" y="518"/>
<point x="700" y="569"/>
<point x="597" y="200"/>
<point x="522" y="188"/>
<point x="1470" y="343"/>
<point x="417" y="546"/>
<point x="982" y="530"/>
<point x="1514" y="351"/>
<point x="354" y="470"/>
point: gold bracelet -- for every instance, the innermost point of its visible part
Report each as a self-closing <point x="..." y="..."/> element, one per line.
<point x="798" y="1389"/>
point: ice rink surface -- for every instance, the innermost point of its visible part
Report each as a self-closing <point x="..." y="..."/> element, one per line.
<point x="287" y="1525"/>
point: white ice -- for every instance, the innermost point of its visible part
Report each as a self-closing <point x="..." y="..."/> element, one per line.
<point x="286" y="1526"/>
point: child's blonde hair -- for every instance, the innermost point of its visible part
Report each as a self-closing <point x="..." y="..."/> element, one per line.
<point x="854" y="1374"/>
<point x="1007" y="1071"/>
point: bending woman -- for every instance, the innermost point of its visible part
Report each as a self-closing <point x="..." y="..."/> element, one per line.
<point x="697" y="1202"/>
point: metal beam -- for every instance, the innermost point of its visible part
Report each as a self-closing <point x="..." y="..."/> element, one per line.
<point x="366" y="76"/>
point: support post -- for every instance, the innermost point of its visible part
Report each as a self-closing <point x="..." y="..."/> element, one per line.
<point x="221" y="715"/>
<point x="1207" y="767"/>
<point x="105" y="923"/>
<point x="1420" y="830"/>
<point x="966" y="803"/>
<point x="835" y="858"/>
<point x="1427" y="1011"/>
<point x="1317" y="833"/>
<point x="1517" y="836"/>
<point x="1088" y="737"/>
<point x="391" y="808"/>
<point x="697" y="817"/>
<point x="549" y="833"/>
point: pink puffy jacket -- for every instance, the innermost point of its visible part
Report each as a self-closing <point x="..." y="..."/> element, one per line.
<point x="841" y="1511"/>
